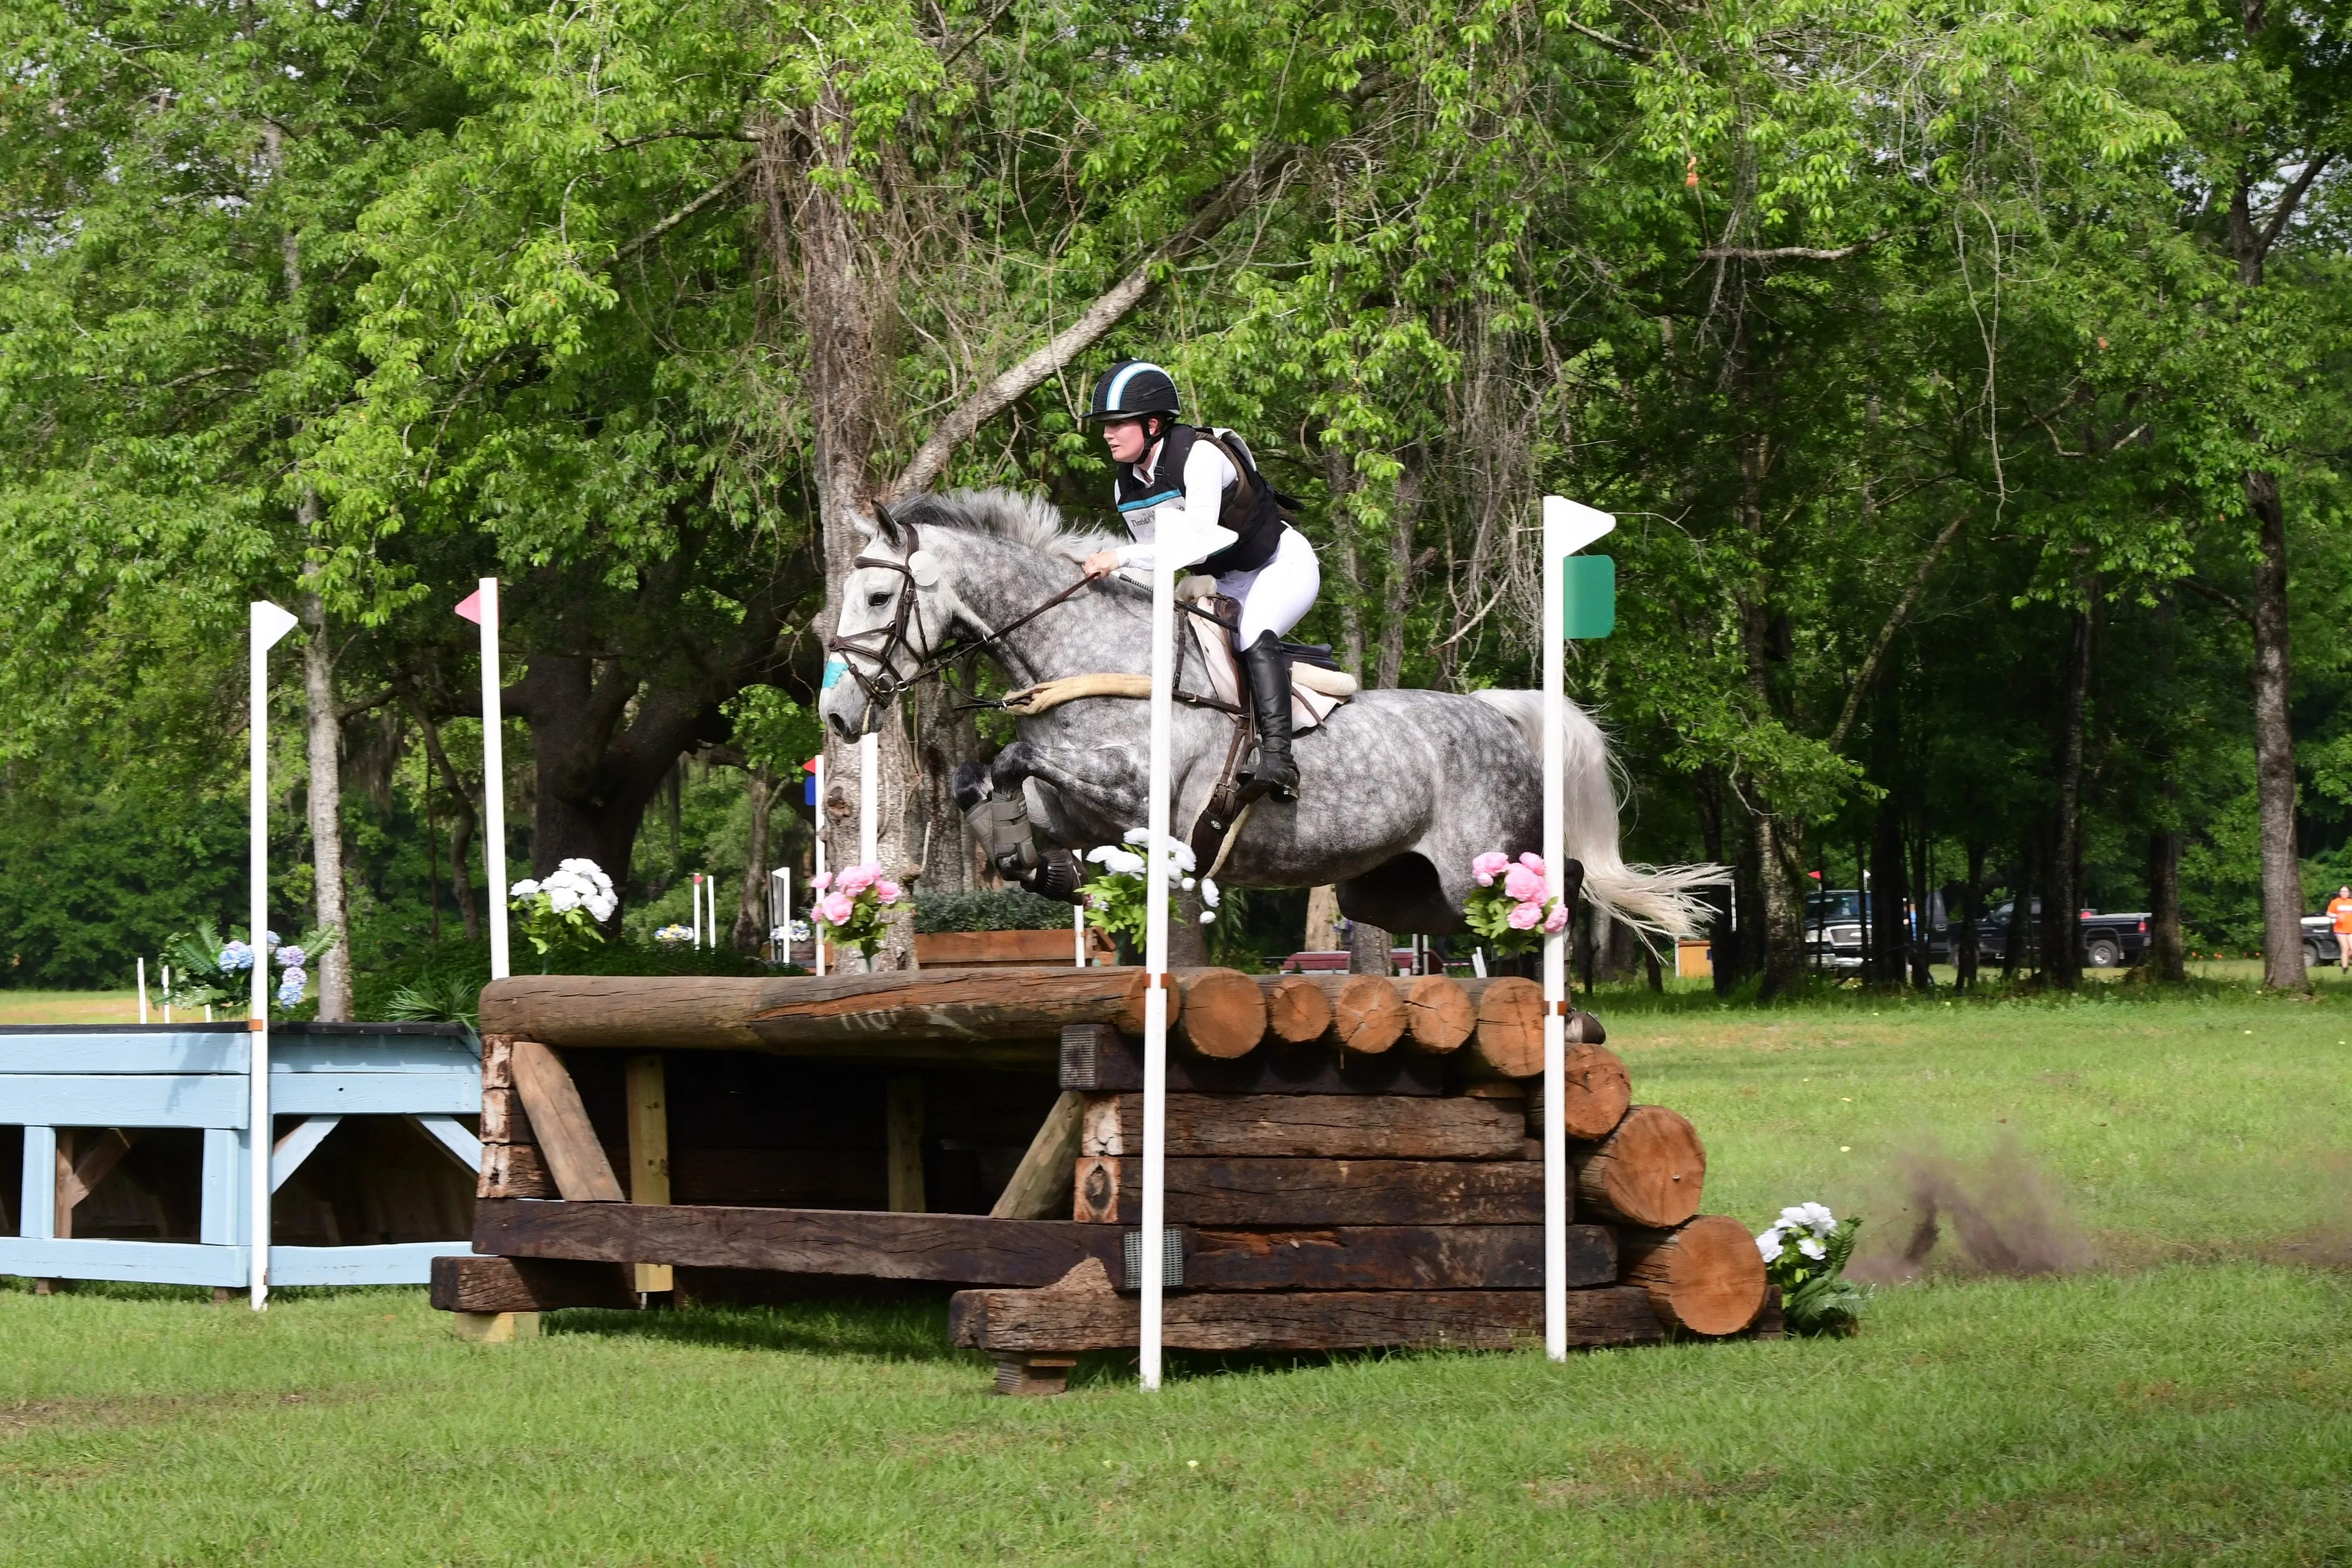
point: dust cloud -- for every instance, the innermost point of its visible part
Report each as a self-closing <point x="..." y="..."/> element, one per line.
<point x="2001" y="1214"/>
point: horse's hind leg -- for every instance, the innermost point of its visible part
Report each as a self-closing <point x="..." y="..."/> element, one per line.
<point x="996" y="811"/>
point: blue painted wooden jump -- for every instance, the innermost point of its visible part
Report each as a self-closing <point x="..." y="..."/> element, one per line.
<point x="137" y="1077"/>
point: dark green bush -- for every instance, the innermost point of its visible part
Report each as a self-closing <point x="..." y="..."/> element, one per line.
<point x="996" y="908"/>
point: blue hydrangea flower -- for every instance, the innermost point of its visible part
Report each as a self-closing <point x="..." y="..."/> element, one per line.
<point x="289" y="994"/>
<point x="291" y="957"/>
<point x="235" y="957"/>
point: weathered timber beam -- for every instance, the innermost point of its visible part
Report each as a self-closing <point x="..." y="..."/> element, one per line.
<point x="1306" y="1320"/>
<point x="999" y="1018"/>
<point x="567" y="1140"/>
<point x="1317" y="1192"/>
<point x="527" y="1284"/>
<point x="969" y="1250"/>
<point x="1394" y="1257"/>
<point x="1329" y="1126"/>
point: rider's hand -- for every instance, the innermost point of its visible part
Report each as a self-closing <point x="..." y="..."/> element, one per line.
<point x="1101" y="564"/>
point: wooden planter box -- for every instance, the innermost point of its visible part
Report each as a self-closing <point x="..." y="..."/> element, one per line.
<point x="981" y="949"/>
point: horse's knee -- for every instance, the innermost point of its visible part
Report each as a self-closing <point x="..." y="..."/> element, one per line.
<point x="972" y="784"/>
<point x="1010" y="769"/>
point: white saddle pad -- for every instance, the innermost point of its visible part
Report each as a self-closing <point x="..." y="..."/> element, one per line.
<point x="1314" y="690"/>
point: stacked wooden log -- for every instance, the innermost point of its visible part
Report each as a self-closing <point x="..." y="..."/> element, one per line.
<point x="1350" y="1161"/>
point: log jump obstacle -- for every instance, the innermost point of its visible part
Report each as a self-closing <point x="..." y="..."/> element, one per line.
<point x="1349" y="1161"/>
<point x="136" y="1151"/>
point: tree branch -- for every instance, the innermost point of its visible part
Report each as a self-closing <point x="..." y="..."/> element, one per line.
<point x="614" y="146"/>
<point x="2289" y="199"/>
<point x="1902" y="613"/>
<point x="2227" y="601"/>
<point x="1786" y="252"/>
<point x="687" y="211"/>
<point x="1603" y="39"/>
<point x="1098" y="318"/>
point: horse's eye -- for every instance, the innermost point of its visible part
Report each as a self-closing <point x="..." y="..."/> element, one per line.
<point x="878" y="599"/>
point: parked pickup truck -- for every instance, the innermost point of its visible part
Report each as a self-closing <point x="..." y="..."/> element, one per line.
<point x="2108" y="939"/>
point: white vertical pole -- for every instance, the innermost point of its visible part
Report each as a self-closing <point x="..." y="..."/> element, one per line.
<point x="167" y="994"/>
<point x="711" y="901"/>
<point x="816" y="930"/>
<point x="494" y="779"/>
<point x="1566" y="528"/>
<point x="1150" y="1264"/>
<point x="142" y="987"/>
<point x="1078" y="936"/>
<point x="694" y="885"/>
<point x="870" y="766"/>
<point x="265" y="622"/>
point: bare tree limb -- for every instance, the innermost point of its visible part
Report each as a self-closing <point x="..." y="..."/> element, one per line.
<point x="687" y="211"/>
<point x="1901" y="612"/>
<point x="2289" y="199"/>
<point x="1098" y="318"/>
<point x="612" y="145"/>
<point x="1603" y="39"/>
<point x="1787" y="252"/>
<point x="2228" y="602"/>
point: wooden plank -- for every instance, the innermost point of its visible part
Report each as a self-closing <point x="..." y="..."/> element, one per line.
<point x="1097" y="1058"/>
<point x="380" y="1263"/>
<point x="967" y="949"/>
<point x="37" y="1202"/>
<point x="298" y="1146"/>
<point x="147" y="1262"/>
<point x="1304" y="1320"/>
<point x="1329" y="1126"/>
<point x="462" y="1145"/>
<point x="1040" y="1184"/>
<point x="902" y="1142"/>
<point x="1316" y="1191"/>
<point x="498" y="1062"/>
<point x="567" y="1141"/>
<point x="514" y="1171"/>
<point x="95" y="1155"/>
<point x="1394" y="1257"/>
<point x="872" y="1244"/>
<point x="997" y="1016"/>
<point x="443" y="1090"/>
<point x="131" y="1051"/>
<point x="122" y="1099"/>
<point x="648" y="1114"/>
<point x="220" y="1218"/>
<point x="527" y="1284"/>
<point x="362" y="1053"/>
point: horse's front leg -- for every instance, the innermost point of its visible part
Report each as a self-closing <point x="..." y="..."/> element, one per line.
<point x="995" y="801"/>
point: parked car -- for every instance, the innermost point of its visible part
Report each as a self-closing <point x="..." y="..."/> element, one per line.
<point x="1834" y="923"/>
<point x="2108" y="939"/>
<point x="2319" y="940"/>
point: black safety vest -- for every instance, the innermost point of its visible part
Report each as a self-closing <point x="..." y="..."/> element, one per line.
<point x="1250" y="507"/>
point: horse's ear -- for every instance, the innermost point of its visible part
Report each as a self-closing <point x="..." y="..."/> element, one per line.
<point x="889" y="526"/>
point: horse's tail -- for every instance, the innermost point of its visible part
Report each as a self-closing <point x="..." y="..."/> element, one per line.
<point x="1664" y="899"/>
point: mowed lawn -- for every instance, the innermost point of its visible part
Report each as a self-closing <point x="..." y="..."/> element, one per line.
<point x="2186" y="1397"/>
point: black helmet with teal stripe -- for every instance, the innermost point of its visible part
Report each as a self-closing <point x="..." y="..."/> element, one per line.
<point x="1134" y="387"/>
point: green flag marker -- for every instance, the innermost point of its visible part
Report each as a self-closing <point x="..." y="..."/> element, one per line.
<point x="1589" y="583"/>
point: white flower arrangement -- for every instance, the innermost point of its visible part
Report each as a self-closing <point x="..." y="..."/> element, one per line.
<point x="569" y="905"/>
<point x="1805" y="1253"/>
<point x="1115" y="897"/>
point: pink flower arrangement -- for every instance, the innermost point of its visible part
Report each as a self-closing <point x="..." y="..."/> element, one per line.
<point x="852" y="904"/>
<point x="1516" y="916"/>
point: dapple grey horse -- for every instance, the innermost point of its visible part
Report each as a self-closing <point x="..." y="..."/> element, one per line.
<point x="1399" y="789"/>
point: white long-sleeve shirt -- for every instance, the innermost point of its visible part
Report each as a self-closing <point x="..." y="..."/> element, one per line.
<point x="1188" y="525"/>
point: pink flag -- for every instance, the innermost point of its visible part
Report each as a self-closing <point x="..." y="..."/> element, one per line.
<point x="470" y="606"/>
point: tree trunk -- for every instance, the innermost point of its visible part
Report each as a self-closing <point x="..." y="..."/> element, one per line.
<point x="1340" y="481"/>
<point x="324" y="737"/>
<point x="2062" y="910"/>
<point x="1964" y="934"/>
<point x="2283" y="967"/>
<point x="2166" y="949"/>
<point x="1888" y="954"/>
<point x="1368" y="950"/>
<point x="461" y="826"/>
<point x="2020" y="906"/>
<point x="945" y="739"/>
<point x="751" y="904"/>
<point x="1405" y="524"/>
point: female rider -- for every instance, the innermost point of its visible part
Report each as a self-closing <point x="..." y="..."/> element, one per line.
<point x="1197" y="491"/>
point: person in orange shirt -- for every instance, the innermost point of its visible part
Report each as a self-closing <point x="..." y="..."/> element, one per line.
<point x="2339" y="911"/>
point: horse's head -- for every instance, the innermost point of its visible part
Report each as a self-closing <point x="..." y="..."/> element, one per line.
<point x="895" y="612"/>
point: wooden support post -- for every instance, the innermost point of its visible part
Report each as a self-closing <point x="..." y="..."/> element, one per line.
<point x="650" y="1156"/>
<point x="494" y="1327"/>
<point x="566" y="1137"/>
<point x="1041" y="1182"/>
<point x="1033" y="1374"/>
<point x="903" y="1133"/>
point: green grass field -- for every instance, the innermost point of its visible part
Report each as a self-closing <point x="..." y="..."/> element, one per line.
<point x="2186" y="1395"/>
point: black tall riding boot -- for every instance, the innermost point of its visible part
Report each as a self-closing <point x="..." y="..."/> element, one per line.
<point x="1271" y="770"/>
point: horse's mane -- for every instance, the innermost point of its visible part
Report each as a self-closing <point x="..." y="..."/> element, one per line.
<point x="1010" y="515"/>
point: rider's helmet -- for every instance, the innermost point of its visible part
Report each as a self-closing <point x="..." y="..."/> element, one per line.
<point x="1134" y="387"/>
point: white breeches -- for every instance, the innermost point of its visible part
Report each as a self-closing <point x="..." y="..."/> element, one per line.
<point x="1277" y="595"/>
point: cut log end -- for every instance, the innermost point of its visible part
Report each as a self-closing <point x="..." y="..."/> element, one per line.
<point x="1508" y="1038"/>
<point x="1705" y="1277"/>
<point x="1369" y="1016"/>
<point x="1649" y="1171"/>
<point x="1296" y="1011"/>
<point x="1596" y="1092"/>
<point x="1225" y="1015"/>
<point x="1439" y="1015"/>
